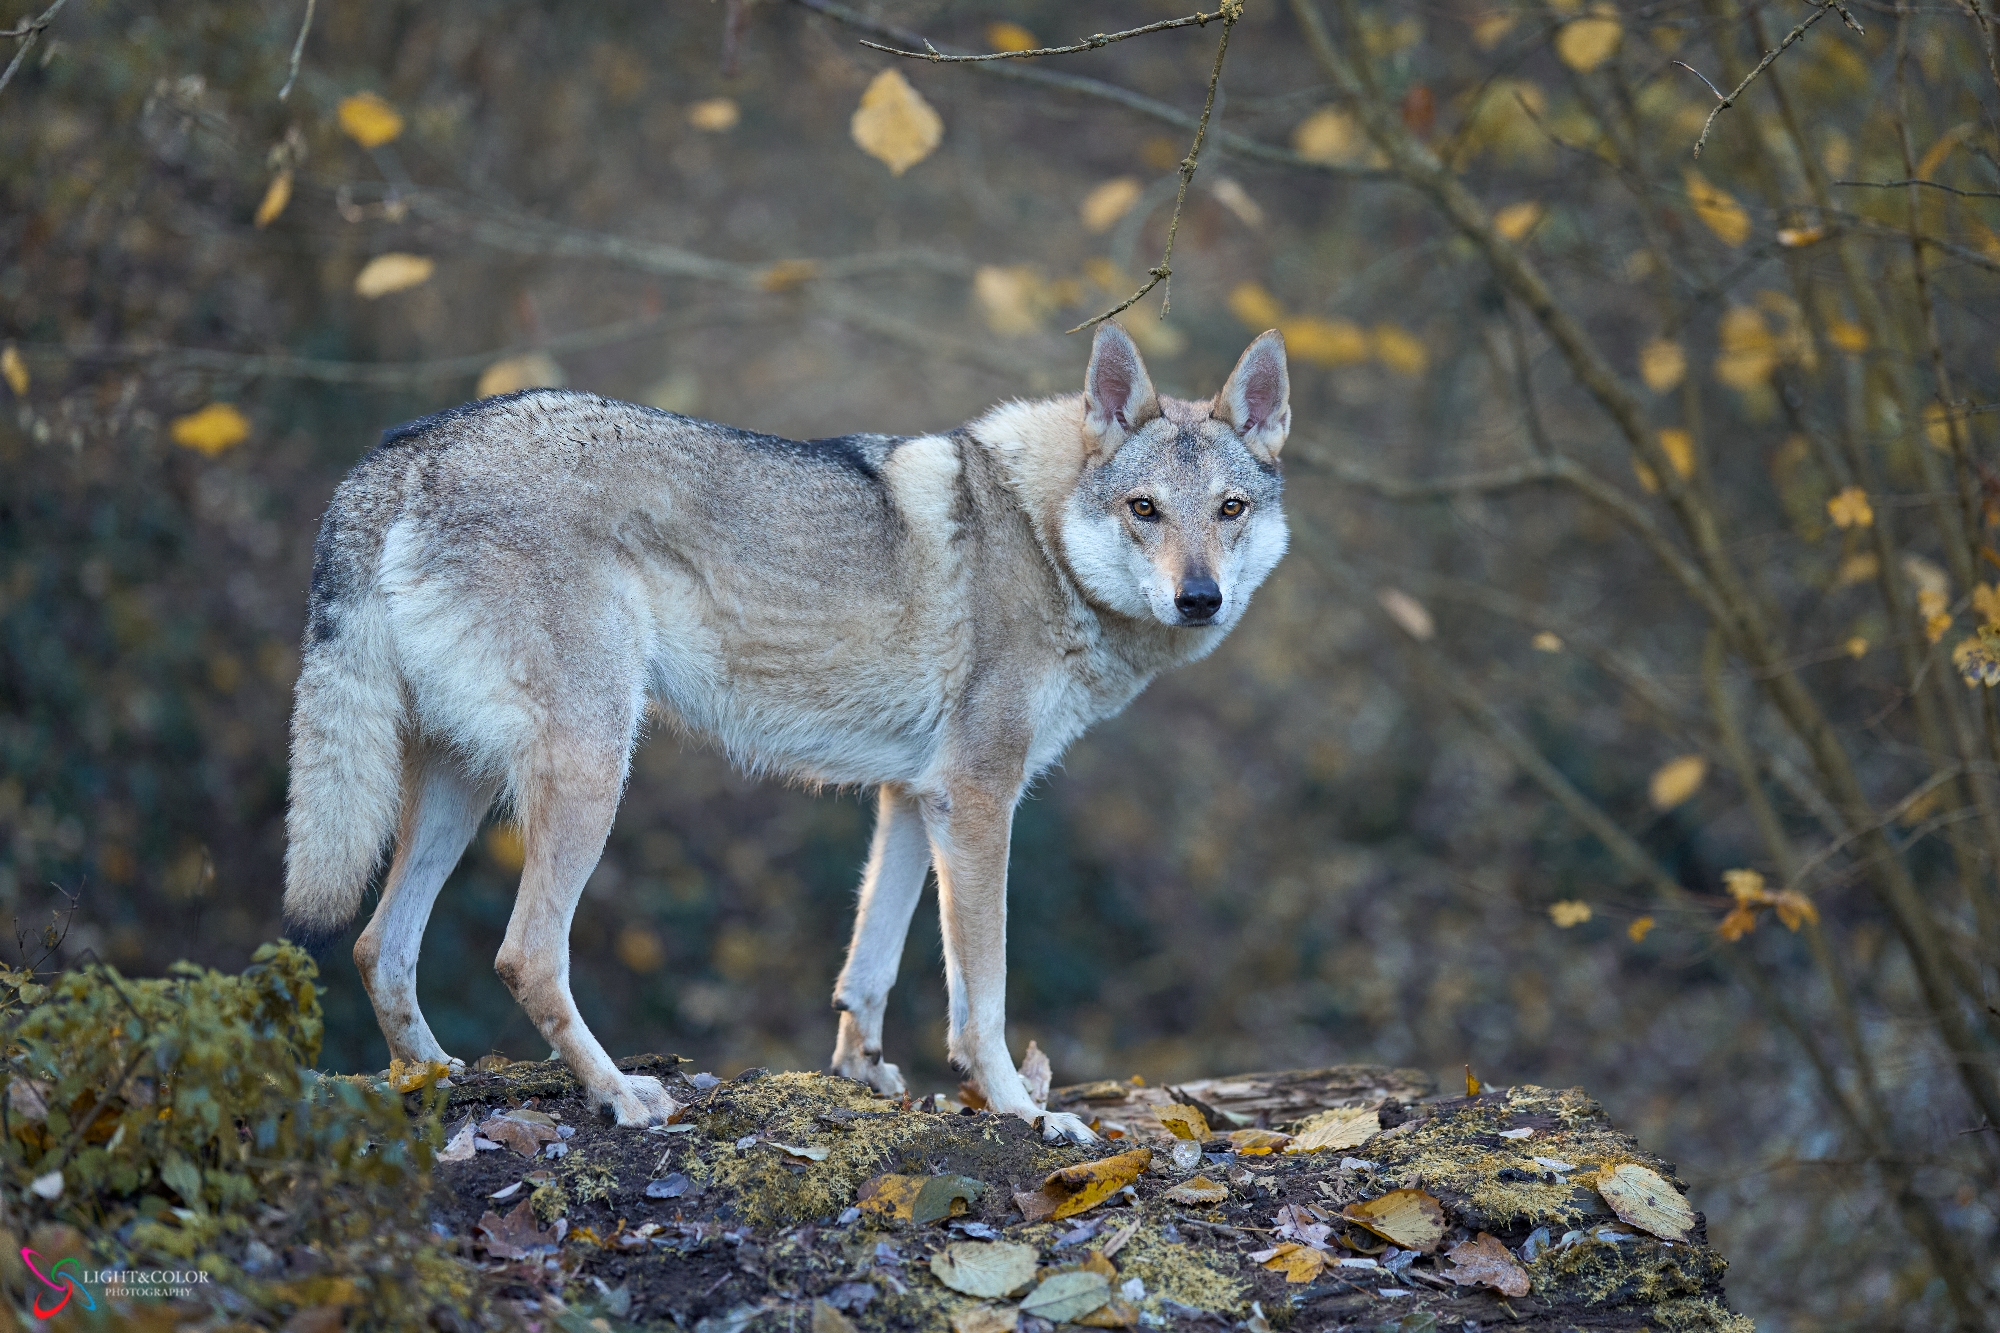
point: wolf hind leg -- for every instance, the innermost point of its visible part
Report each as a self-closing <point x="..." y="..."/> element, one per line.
<point x="898" y="859"/>
<point x="567" y="798"/>
<point x="441" y="811"/>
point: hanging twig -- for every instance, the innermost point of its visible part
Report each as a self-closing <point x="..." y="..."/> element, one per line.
<point x="1164" y="271"/>
<point x="298" y="50"/>
<point x="27" y="31"/>
<point x="1092" y="43"/>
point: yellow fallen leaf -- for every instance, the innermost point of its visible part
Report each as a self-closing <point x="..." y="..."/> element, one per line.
<point x="393" y="272"/>
<point x="369" y="120"/>
<point x="1409" y="1218"/>
<point x="530" y="370"/>
<point x="1676" y="780"/>
<point x="415" y="1075"/>
<point x="1323" y="342"/>
<point x="1473" y="1087"/>
<point x="210" y="430"/>
<point x="1257" y="1142"/>
<point x="1643" y="1198"/>
<point x="276" y="195"/>
<point x="1400" y="350"/>
<point x="1717" y="209"/>
<point x="1077" y="1189"/>
<point x="1299" y="1263"/>
<point x="1010" y="37"/>
<point x="1200" y="1190"/>
<point x="1257" y="309"/>
<point x="715" y="114"/>
<point x="15" y="370"/>
<point x="1662" y="364"/>
<point x="1341" y="1127"/>
<point x="1850" y="509"/>
<point x="1110" y="201"/>
<point x="1678" y="446"/>
<point x="1569" y="912"/>
<point x="1518" y="219"/>
<point x="1183" y="1121"/>
<point x="1639" y="929"/>
<point x="894" y="124"/>
<point x="1586" y="43"/>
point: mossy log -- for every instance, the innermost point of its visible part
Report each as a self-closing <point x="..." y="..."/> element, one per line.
<point x="753" y="1216"/>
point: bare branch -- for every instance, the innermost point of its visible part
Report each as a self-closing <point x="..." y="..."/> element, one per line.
<point x="298" y="50"/>
<point x="1092" y="43"/>
<point x="27" y="32"/>
<point x="1819" y="12"/>
<point x="1164" y="272"/>
<point x="1948" y="189"/>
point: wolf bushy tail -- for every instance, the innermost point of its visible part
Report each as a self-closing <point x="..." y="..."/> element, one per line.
<point x="346" y="773"/>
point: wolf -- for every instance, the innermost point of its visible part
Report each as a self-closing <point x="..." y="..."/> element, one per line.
<point x="502" y="592"/>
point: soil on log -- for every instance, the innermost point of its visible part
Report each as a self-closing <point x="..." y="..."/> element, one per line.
<point x="766" y="1207"/>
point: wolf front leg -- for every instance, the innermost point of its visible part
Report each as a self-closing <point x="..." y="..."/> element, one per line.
<point x="898" y="859"/>
<point x="969" y="833"/>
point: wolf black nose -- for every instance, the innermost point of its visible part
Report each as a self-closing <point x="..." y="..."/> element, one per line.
<point x="1198" y="599"/>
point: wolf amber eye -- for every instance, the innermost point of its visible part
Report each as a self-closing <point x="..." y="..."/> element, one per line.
<point x="1143" y="508"/>
<point x="1232" y="508"/>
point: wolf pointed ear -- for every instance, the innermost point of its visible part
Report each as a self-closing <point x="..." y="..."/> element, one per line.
<point x="1257" y="397"/>
<point x="1118" y="395"/>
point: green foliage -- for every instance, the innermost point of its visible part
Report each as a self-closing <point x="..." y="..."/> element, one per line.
<point x="187" y="1127"/>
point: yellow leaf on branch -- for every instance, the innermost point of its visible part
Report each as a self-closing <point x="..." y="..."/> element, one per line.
<point x="715" y="114"/>
<point x="211" y="430"/>
<point x="1585" y="43"/>
<point x="1639" y="929"/>
<point x="1846" y="335"/>
<point x="894" y="124"/>
<point x="1662" y="364"/>
<point x="15" y="370"/>
<point x="1850" y="509"/>
<point x="1569" y="912"/>
<point x="1107" y="203"/>
<point x="1678" y="446"/>
<point x="1258" y="309"/>
<point x="1010" y="37"/>
<point x="1717" y="209"/>
<point x="369" y="120"/>
<point x="393" y="272"/>
<point x="1400" y="350"/>
<point x="1518" y="219"/>
<point x="1323" y="342"/>
<point x="1676" y="780"/>
<point x="276" y="195"/>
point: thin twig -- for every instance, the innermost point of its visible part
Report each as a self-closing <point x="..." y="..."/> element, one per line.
<point x="1819" y="12"/>
<point x="298" y="50"/>
<point x="1164" y="271"/>
<point x="27" y="32"/>
<point x="1948" y="189"/>
<point x="1091" y="43"/>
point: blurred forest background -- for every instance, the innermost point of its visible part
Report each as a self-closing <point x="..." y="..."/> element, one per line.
<point x="1609" y="723"/>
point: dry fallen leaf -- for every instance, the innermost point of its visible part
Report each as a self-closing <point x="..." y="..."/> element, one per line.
<point x="1107" y="203"/>
<point x="1114" y="1313"/>
<point x="1257" y="1142"/>
<point x="407" y="1077"/>
<point x="393" y="272"/>
<point x="1200" y="1190"/>
<point x="1342" y="1127"/>
<point x="1485" y="1262"/>
<point x="1645" y="1200"/>
<point x="1676" y="780"/>
<point x="1412" y="1219"/>
<point x="1077" y="1189"/>
<point x="1037" y="1074"/>
<point x="368" y="120"/>
<point x="827" y="1319"/>
<point x="986" y="1319"/>
<point x="1066" y="1297"/>
<point x="917" y="1198"/>
<point x="894" y="124"/>
<point x="985" y="1268"/>
<point x="210" y="430"/>
<point x="1183" y="1121"/>
<point x="1299" y="1263"/>
<point x="276" y="195"/>
<point x="517" y="1235"/>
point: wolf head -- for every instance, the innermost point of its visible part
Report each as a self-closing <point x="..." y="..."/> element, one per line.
<point x="1176" y="514"/>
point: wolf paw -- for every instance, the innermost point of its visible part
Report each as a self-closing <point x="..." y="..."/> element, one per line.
<point x="1062" y="1127"/>
<point x="873" y="1070"/>
<point x="640" y="1102"/>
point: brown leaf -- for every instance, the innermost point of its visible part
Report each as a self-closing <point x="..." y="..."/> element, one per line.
<point x="524" y="1137"/>
<point x="1200" y="1190"/>
<point x="1342" y="1127"/>
<point x="1114" y="1313"/>
<point x="1037" y="1074"/>
<point x="1084" y="1186"/>
<point x="517" y="1235"/>
<point x="1299" y="1263"/>
<point x="1257" y="1142"/>
<point x="919" y="1199"/>
<point x="1183" y="1122"/>
<point x="1409" y="1218"/>
<point x="1485" y="1262"/>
